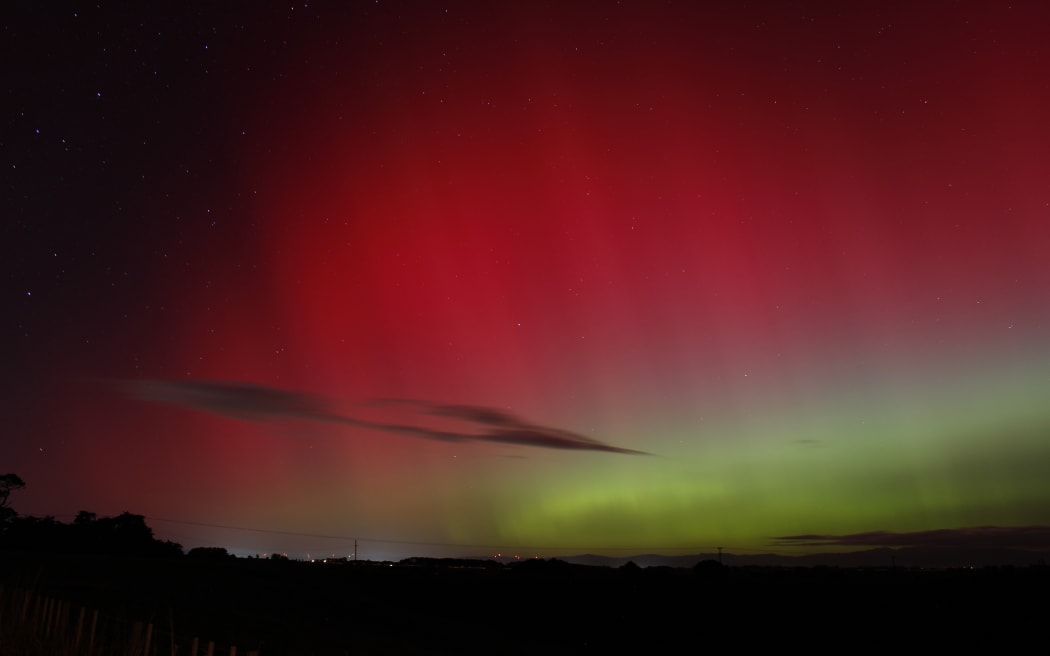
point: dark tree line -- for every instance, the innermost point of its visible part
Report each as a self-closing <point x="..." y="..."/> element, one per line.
<point x="125" y="534"/>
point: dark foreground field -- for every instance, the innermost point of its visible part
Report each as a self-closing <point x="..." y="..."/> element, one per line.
<point x="535" y="607"/>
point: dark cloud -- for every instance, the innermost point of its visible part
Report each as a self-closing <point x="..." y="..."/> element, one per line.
<point x="502" y="427"/>
<point x="250" y="402"/>
<point x="552" y="438"/>
<point x="238" y="400"/>
<point x="1020" y="537"/>
<point x="477" y="414"/>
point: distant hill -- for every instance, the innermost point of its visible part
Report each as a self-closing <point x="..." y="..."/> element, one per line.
<point x="925" y="557"/>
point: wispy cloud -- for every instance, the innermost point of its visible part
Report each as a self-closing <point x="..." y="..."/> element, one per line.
<point x="238" y="400"/>
<point x="251" y="402"/>
<point x="810" y="443"/>
<point x="1020" y="537"/>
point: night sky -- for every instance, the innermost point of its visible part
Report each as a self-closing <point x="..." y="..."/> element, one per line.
<point x="537" y="278"/>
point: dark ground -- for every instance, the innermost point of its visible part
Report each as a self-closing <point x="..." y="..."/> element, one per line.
<point x="544" y="607"/>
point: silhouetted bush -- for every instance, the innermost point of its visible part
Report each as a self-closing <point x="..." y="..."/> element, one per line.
<point x="209" y="553"/>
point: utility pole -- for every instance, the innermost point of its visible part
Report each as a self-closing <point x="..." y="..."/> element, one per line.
<point x="720" y="555"/>
<point x="355" y="548"/>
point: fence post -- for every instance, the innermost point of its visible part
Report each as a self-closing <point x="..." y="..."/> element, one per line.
<point x="80" y="630"/>
<point x="61" y="620"/>
<point x="25" y="605"/>
<point x="45" y="619"/>
<point x="94" y="622"/>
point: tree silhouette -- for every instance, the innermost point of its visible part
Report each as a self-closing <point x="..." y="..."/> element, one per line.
<point x="85" y="518"/>
<point x="8" y="484"/>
